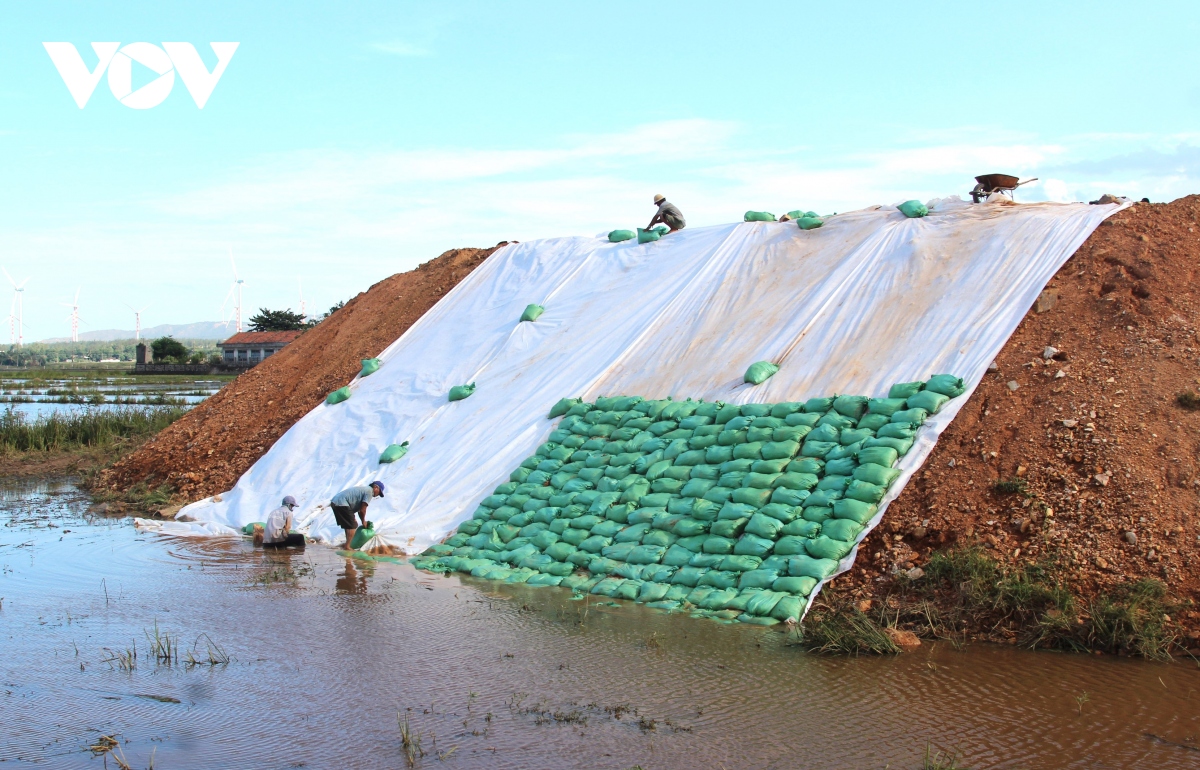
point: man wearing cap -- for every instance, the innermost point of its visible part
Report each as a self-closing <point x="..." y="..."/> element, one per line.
<point x="668" y="213"/>
<point x="277" y="532"/>
<point x="354" y="501"/>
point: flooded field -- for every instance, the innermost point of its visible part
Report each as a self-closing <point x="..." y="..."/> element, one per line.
<point x="36" y="392"/>
<point x="209" y="654"/>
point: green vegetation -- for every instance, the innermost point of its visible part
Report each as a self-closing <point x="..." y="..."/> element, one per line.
<point x="1012" y="486"/>
<point x="41" y="354"/>
<point x="966" y="589"/>
<point x="1188" y="400"/>
<point x="90" y="428"/>
<point x="277" y="321"/>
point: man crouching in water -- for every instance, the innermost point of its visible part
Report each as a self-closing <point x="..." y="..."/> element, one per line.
<point x="277" y="531"/>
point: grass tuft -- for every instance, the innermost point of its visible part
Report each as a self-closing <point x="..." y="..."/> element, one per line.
<point x="1015" y="485"/>
<point x="1188" y="400"/>
<point x="844" y="631"/>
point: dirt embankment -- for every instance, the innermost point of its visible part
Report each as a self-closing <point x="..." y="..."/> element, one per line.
<point x="1101" y="460"/>
<point x="1081" y="459"/>
<point x="207" y="450"/>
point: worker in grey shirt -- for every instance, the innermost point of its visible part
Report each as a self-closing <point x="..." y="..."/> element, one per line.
<point x="349" y="502"/>
<point x="668" y="213"/>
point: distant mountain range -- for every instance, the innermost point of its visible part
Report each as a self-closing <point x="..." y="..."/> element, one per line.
<point x="202" y="330"/>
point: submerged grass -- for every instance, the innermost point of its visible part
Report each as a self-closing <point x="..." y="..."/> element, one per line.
<point x="89" y="428"/>
<point x="966" y="590"/>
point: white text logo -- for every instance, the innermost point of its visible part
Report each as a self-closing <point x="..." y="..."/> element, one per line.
<point x="118" y="60"/>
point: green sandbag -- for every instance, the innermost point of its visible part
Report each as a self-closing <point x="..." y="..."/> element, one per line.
<point x="739" y="563"/>
<point x="719" y="599"/>
<point x="628" y="590"/>
<point x="677" y="556"/>
<point x="791" y="545"/>
<point x="459" y="392"/>
<point x="785" y="496"/>
<point x="854" y="510"/>
<point x="823" y="547"/>
<point x="850" y="406"/>
<point x="249" y="528"/>
<point x="608" y="586"/>
<point x="393" y="453"/>
<point x="652" y="592"/>
<point x="594" y="543"/>
<point x="818" y="405"/>
<point x="779" y="450"/>
<point x="616" y="236"/>
<point x="807" y="566"/>
<point x="905" y="389"/>
<point x="545" y="580"/>
<point x="716" y="544"/>
<point x="900" y="445"/>
<point x="730" y="528"/>
<point x="362" y="535"/>
<point x="759" y="216"/>
<point x="708" y="560"/>
<point x="698" y="594"/>
<point x="764" y="526"/>
<point x="647" y="236"/>
<point x="646" y="554"/>
<point x="758" y="578"/>
<point x="338" y="396"/>
<point x="791" y="480"/>
<point x="560" y="551"/>
<point x="842" y="529"/>
<point x="913" y="209"/>
<point x="809" y="223"/>
<point x="763" y="602"/>
<point x="664" y="604"/>
<point x="744" y="594"/>
<point x="927" y="400"/>
<point x="719" y="579"/>
<point x="876" y="474"/>
<point x="753" y="545"/>
<point x="947" y="385"/>
<point x="798" y="528"/>
<point x="756" y="498"/>
<point x="369" y="367"/>
<point x="799" y="586"/>
<point x="843" y="467"/>
<point x="912" y="416"/>
<point x="689" y="527"/>
<point x="868" y="493"/>
<point x="789" y="608"/>
<point x="878" y="455"/>
<point x="532" y="312"/>
<point x="693" y="544"/>
<point x="760" y="480"/>
<point x="780" y="512"/>
<point x="575" y="582"/>
<point x="658" y="573"/>
<point x="759" y="372"/>
<point x="688" y="576"/>
<point x="755" y="620"/>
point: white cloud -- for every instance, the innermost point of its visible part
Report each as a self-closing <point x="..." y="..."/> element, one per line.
<point x="341" y="220"/>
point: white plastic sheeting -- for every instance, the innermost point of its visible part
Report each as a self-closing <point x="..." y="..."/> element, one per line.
<point x="870" y="299"/>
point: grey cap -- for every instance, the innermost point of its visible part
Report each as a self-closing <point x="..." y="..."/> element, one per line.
<point x="289" y="501"/>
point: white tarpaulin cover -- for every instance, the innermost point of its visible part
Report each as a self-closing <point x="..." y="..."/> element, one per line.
<point x="867" y="300"/>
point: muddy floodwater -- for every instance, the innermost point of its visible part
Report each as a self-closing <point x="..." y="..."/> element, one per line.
<point x="315" y="660"/>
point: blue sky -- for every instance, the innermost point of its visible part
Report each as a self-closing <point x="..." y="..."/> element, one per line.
<point x="342" y="145"/>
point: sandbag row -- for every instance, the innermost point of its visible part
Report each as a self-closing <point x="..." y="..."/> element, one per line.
<point x="732" y="512"/>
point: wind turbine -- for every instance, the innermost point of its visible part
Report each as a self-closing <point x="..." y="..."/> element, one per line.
<point x="235" y="293"/>
<point x="74" y="305"/>
<point x="18" y="300"/>
<point x="137" y="320"/>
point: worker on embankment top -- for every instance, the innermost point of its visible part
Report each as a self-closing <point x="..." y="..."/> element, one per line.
<point x="668" y="213"/>
<point x="353" y="501"/>
<point x="277" y="532"/>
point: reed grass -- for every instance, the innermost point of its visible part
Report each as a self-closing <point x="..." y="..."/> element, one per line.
<point x="88" y="428"/>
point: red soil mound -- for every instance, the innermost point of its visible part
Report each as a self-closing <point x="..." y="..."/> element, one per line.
<point x="207" y="450"/>
<point x="1099" y="455"/>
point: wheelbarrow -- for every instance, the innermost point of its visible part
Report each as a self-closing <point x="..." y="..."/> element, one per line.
<point x="996" y="183"/>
